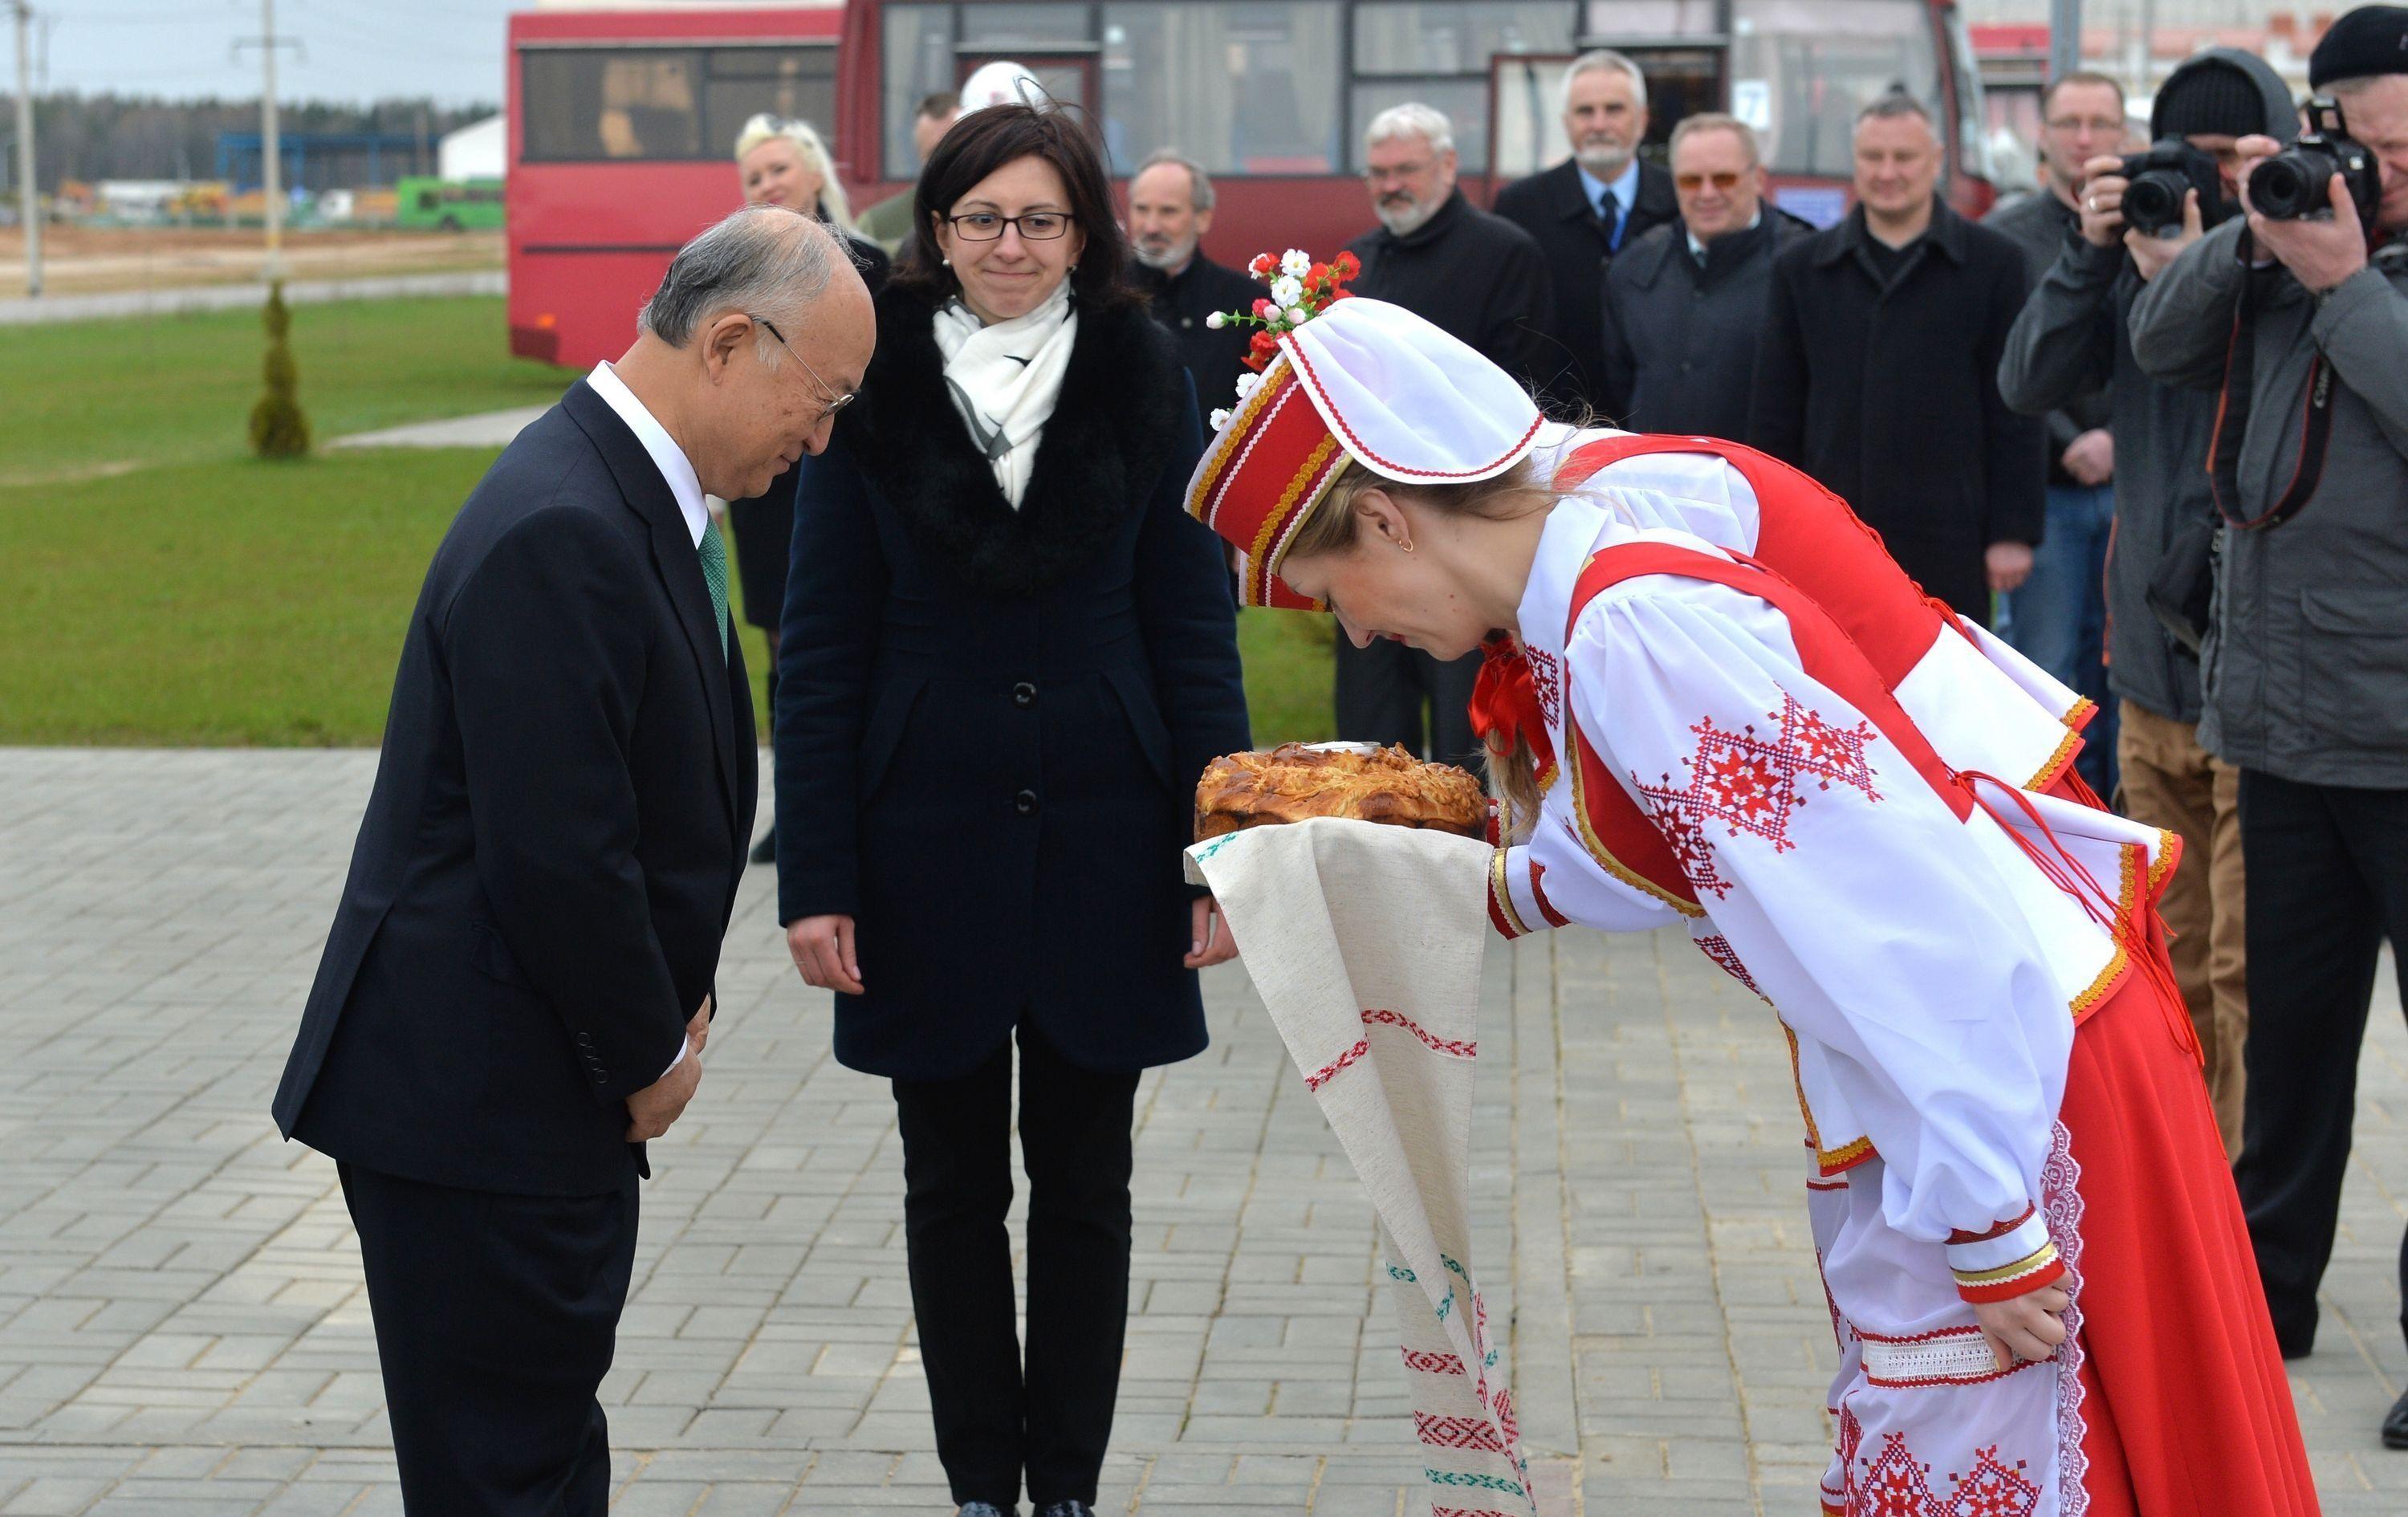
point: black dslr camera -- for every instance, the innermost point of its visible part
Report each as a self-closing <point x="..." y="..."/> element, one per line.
<point x="2291" y="185"/>
<point x="2156" y="181"/>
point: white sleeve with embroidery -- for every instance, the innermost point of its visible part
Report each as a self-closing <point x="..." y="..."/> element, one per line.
<point x="1858" y="902"/>
<point x="1552" y="882"/>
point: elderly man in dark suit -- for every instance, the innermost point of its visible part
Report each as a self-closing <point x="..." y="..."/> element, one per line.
<point x="517" y="987"/>
<point x="1585" y="210"/>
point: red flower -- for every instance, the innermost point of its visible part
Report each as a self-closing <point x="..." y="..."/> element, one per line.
<point x="1257" y="362"/>
<point x="1264" y="342"/>
<point x="1320" y="274"/>
<point x="1263" y="307"/>
<point x="1262" y="267"/>
<point x="1347" y="265"/>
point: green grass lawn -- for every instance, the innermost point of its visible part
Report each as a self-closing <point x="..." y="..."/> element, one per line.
<point x="158" y="586"/>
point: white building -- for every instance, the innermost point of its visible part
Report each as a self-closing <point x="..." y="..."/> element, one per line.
<point x="478" y="150"/>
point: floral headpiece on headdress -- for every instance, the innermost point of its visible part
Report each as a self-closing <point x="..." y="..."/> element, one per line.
<point x="1301" y="288"/>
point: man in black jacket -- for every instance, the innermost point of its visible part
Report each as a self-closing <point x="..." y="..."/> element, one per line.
<point x="1584" y="211"/>
<point x="518" y="984"/>
<point x="1170" y="209"/>
<point x="1878" y="371"/>
<point x="2058" y="617"/>
<point x="1476" y="277"/>
<point x="1684" y="303"/>
<point x="2073" y="335"/>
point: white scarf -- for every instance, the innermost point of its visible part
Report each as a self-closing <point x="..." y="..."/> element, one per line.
<point x="1005" y="379"/>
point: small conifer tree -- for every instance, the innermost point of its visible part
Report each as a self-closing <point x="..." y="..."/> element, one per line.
<point x="279" y="427"/>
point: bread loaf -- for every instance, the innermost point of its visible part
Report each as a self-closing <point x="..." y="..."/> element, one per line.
<point x="1297" y="780"/>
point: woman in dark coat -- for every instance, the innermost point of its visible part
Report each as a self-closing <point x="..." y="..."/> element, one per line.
<point x="1007" y="655"/>
<point x="784" y="162"/>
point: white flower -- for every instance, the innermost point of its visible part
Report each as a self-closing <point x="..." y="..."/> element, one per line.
<point x="1220" y="420"/>
<point x="1217" y="319"/>
<point x="1247" y="384"/>
<point x="1298" y="316"/>
<point x="1287" y="290"/>
<point x="1296" y="264"/>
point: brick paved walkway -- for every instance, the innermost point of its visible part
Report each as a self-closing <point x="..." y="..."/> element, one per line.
<point x="182" y="1330"/>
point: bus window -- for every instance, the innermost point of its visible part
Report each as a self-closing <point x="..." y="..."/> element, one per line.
<point x="918" y="57"/>
<point x="1439" y="55"/>
<point x="611" y="103"/>
<point x="663" y="102"/>
<point x="1609" y="23"/>
<point x="1243" y="88"/>
<point x="1802" y="69"/>
<point x="1044" y="27"/>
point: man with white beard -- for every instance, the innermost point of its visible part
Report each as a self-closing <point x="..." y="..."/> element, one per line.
<point x="1585" y="210"/>
<point x="1476" y="277"/>
<point x="1481" y="279"/>
<point x="1170" y="209"/>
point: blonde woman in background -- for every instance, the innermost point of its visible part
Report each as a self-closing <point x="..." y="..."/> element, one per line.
<point x="784" y="162"/>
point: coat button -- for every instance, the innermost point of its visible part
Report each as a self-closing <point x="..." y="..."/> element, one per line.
<point x="1024" y="694"/>
<point x="1025" y="802"/>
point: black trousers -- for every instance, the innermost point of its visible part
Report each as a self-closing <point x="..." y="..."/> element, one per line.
<point x="993" y="1418"/>
<point x="2328" y="872"/>
<point x="496" y="1318"/>
<point x="1381" y="691"/>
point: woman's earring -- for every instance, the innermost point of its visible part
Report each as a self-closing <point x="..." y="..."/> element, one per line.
<point x="1406" y="546"/>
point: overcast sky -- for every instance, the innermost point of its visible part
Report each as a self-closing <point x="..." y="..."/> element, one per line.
<point x="351" y="50"/>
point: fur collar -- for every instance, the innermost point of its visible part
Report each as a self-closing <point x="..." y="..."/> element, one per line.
<point x="1112" y="435"/>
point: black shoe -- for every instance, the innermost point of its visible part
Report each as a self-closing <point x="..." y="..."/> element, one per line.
<point x="1066" y="1508"/>
<point x="988" y="1509"/>
<point x="2395" y="1423"/>
<point x="766" y="852"/>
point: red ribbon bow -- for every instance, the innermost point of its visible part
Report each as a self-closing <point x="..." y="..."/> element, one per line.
<point x="1505" y="704"/>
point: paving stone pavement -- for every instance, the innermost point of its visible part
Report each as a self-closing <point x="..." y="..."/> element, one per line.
<point x="183" y="1329"/>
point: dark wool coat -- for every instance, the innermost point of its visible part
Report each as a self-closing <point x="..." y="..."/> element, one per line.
<point x="991" y="722"/>
<point x="1889" y="394"/>
<point x="1553" y="207"/>
<point x="1214" y="358"/>
<point x="1679" y="340"/>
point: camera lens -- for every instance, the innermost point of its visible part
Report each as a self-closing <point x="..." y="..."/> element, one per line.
<point x="2154" y="201"/>
<point x="2285" y="187"/>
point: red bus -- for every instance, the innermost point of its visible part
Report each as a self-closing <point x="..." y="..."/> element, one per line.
<point x="622" y="129"/>
<point x="1271" y="97"/>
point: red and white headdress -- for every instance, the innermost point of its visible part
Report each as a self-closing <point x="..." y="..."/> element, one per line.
<point x="1343" y="377"/>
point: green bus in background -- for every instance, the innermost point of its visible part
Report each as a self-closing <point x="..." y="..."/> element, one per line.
<point x="431" y="204"/>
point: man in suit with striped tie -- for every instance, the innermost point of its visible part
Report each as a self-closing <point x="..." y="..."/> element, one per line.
<point x="517" y="984"/>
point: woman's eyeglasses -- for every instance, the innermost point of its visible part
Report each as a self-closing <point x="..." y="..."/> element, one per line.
<point x="1034" y="226"/>
<point x="1694" y="183"/>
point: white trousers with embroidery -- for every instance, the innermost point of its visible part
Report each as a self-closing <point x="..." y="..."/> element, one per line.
<point x="1927" y="1425"/>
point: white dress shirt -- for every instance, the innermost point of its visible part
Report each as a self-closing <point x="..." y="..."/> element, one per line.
<point x="666" y="454"/>
<point x="675" y="467"/>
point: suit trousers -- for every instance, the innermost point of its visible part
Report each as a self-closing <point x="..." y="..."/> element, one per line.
<point x="1382" y="691"/>
<point x="496" y="1320"/>
<point x="2169" y="781"/>
<point x="2327" y="882"/>
<point x="995" y="1418"/>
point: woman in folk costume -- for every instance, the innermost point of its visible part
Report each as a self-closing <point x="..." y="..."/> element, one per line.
<point x="1719" y="705"/>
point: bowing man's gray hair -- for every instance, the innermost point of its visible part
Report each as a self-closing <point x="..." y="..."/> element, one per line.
<point x="1411" y="120"/>
<point x="764" y="260"/>
<point x="1598" y="61"/>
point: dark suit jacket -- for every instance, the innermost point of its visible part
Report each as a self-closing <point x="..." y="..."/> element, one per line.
<point x="550" y="852"/>
<point x="1476" y="277"/>
<point x="1553" y="207"/>
<point x="991" y="721"/>
<point x="1680" y="339"/>
<point x="1888" y="394"/>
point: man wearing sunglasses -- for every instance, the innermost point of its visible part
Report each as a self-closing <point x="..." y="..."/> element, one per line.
<point x="1686" y="301"/>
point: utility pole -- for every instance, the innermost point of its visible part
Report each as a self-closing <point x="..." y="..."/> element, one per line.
<point x="2064" y="37"/>
<point x="271" y="150"/>
<point x="29" y="195"/>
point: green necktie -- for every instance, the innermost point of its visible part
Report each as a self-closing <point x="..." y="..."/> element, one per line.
<point x="714" y="576"/>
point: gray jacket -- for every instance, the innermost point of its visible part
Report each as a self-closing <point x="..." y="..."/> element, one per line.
<point x="2307" y="664"/>
<point x="2038" y="223"/>
<point x="2074" y="335"/>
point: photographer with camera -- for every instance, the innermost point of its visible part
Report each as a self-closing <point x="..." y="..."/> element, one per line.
<point x="2298" y="316"/>
<point x="2131" y="217"/>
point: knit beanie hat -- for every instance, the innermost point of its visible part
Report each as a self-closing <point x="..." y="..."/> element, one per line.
<point x="2213" y="97"/>
<point x="2369" y="40"/>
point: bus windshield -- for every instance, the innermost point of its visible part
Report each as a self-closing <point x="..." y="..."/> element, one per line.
<point x="1801" y="70"/>
<point x="663" y="101"/>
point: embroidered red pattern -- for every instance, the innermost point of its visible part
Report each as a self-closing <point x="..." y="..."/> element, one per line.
<point x="1894" y="1483"/>
<point x="1743" y="782"/>
<point x="1719" y="950"/>
<point x="1437" y="1045"/>
<point x="1435" y="1364"/>
<point x="1547" y="683"/>
<point x="1331" y="1071"/>
<point x="1446" y="1432"/>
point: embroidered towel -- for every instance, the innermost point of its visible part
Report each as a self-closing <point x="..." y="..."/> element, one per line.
<point x="1365" y="944"/>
